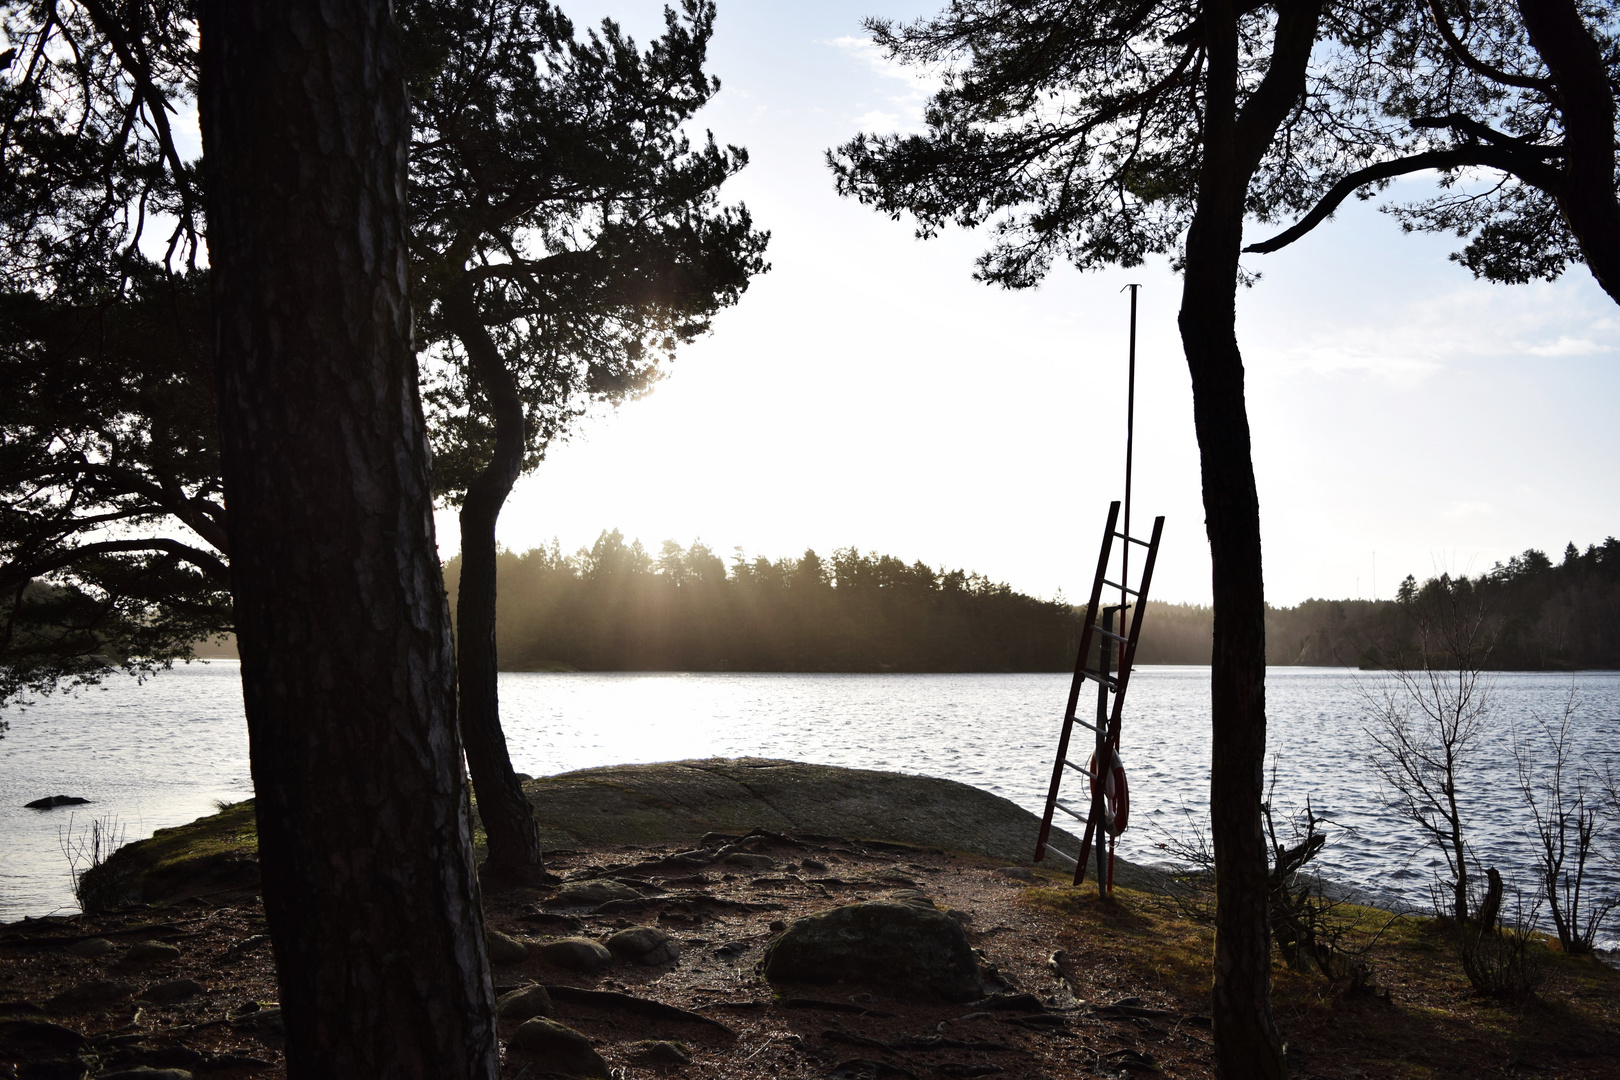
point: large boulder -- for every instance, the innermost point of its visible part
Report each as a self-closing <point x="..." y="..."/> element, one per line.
<point x="905" y="945"/>
<point x="504" y="950"/>
<point x="96" y="994"/>
<point x="147" y="953"/>
<point x="591" y="894"/>
<point x="554" y="1048"/>
<point x="644" y="945"/>
<point x="524" y="1003"/>
<point x="576" y="954"/>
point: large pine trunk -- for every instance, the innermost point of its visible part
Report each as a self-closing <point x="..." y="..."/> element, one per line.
<point x="1247" y="1043"/>
<point x="514" y="856"/>
<point x="347" y="670"/>
<point x="1588" y="199"/>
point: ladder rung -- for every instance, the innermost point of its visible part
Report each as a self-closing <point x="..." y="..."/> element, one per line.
<point x="1081" y="769"/>
<point x="1059" y="803"/>
<point x="1082" y="723"/>
<point x="1107" y="680"/>
<point x="1123" y="588"/>
<point x="1133" y="539"/>
<point x="1111" y="635"/>
<point x="1065" y="856"/>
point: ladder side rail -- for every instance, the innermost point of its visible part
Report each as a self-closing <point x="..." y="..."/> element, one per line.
<point x="1128" y="658"/>
<point x="1074" y="687"/>
<point x="1084" y="854"/>
<point x="1091" y="612"/>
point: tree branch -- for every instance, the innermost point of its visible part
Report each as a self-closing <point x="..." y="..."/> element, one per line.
<point x="157" y="105"/>
<point x="1531" y="172"/>
<point x="1476" y="65"/>
<point x="12" y="574"/>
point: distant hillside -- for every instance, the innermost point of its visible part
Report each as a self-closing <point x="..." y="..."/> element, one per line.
<point x="617" y="607"/>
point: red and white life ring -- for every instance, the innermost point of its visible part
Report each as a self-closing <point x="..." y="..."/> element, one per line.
<point x="1116" y="794"/>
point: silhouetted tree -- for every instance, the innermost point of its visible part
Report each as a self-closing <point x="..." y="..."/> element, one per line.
<point x="347" y="669"/>
<point x="112" y="531"/>
<point x="1102" y="132"/>
<point x="1522" y="88"/>
<point x="567" y="237"/>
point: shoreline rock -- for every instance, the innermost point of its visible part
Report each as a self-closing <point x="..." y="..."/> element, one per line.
<point x="643" y="804"/>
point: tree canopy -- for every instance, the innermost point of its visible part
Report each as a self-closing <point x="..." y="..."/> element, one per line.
<point x="112" y="529"/>
<point x="553" y="189"/>
<point x="1512" y="102"/>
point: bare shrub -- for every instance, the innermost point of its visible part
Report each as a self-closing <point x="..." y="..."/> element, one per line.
<point x="87" y="848"/>
<point x="1502" y="959"/>
<point x="1564" y="797"/>
<point x="1428" y="716"/>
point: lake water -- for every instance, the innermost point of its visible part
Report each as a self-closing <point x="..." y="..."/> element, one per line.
<point x="158" y="754"/>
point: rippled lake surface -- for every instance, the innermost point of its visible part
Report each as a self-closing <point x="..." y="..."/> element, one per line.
<point x="159" y="754"/>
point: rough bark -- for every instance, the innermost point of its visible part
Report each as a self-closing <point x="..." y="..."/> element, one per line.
<point x="347" y="669"/>
<point x="1586" y="105"/>
<point x="514" y="839"/>
<point x="1247" y="1042"/>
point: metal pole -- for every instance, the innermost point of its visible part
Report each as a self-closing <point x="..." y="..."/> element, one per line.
<point x="1130" y="438"/>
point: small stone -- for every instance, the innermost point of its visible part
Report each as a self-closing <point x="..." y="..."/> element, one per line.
<point x="143" y="953"/>
<point x="554" y="1048"/>
<point x="170" y="993"/>
<point x="92" y="948"/>
<point x="524" y="1003"/>
<point x="505" y="949"/>
<point x="576" y="954"/>
<point x="644" y="945"/>
<point x="778" y="926"/>
<point x="659" y="1052"/>
<point x="262" y="1021"/>
<point x="91" y="994"/>
<point x="750" y="860"/>
<point x="813" y="864"/>
<point x="146" y="1072"/>
<point x="591" y="894"/>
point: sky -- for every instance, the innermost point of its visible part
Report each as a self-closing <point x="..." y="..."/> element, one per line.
<point x="868" y="393"/>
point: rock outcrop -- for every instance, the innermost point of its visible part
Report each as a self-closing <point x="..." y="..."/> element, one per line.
<point x="903" y="944"/>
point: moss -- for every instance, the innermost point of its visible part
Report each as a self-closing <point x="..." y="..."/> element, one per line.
<point x="216" y="852"/>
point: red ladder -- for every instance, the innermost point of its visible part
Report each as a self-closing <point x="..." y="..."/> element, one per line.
<point x="1108" y="682"/>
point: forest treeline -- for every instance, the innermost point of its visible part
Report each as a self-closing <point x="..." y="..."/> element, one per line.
<point x="618" y="607"/>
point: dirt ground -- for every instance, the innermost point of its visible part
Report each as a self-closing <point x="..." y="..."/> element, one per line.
<point x="1087" y="988"/>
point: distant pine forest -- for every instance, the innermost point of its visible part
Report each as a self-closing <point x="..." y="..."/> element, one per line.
<point x="618" y="607"/>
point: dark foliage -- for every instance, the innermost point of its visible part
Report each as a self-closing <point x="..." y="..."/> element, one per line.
<point x="112" y="529"/>
<point x="615" y="607"/>
<point x="1542" y="617"/>
<point x="112" y="526"/>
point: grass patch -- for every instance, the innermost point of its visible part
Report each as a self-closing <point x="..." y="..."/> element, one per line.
<point x="1419" y="1018"/>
